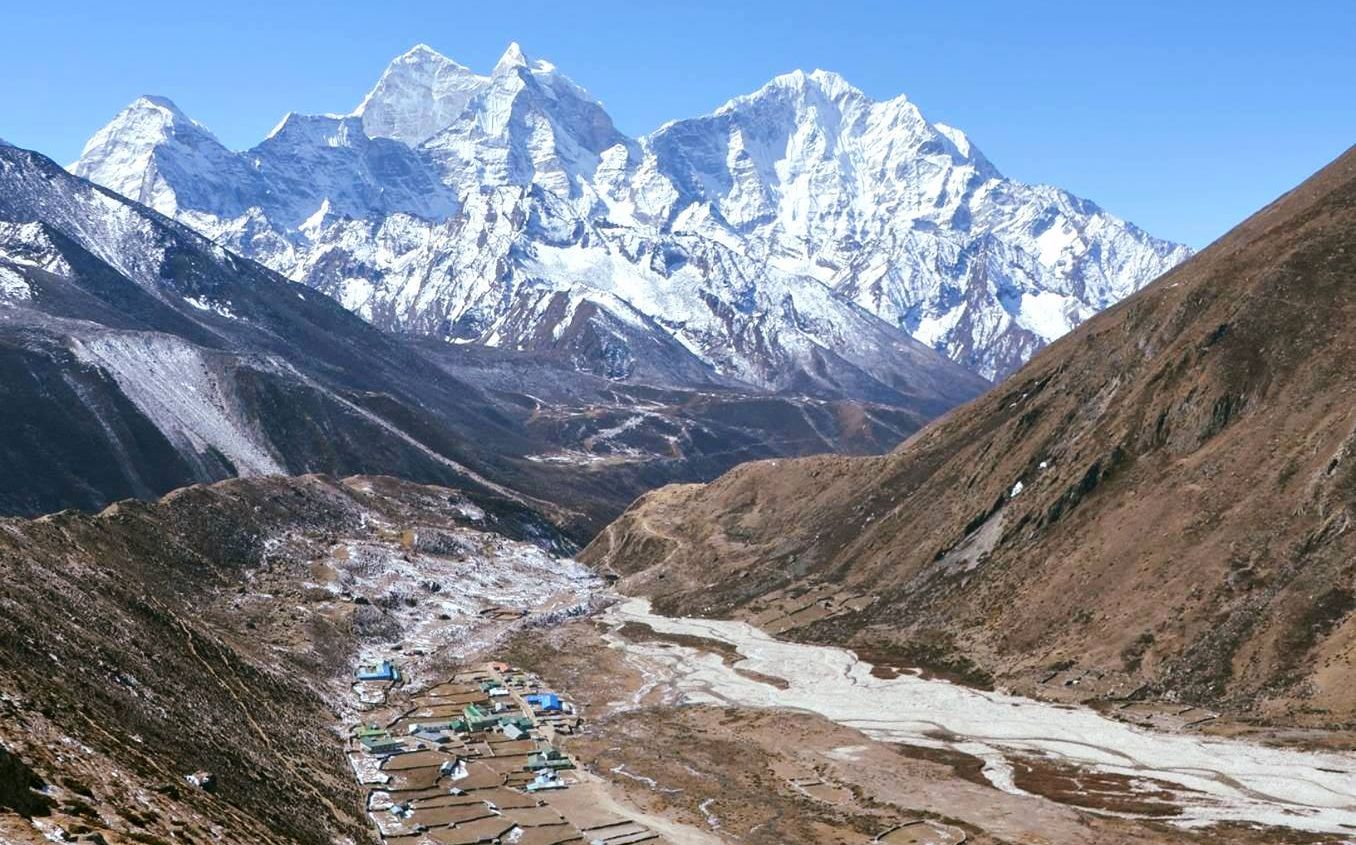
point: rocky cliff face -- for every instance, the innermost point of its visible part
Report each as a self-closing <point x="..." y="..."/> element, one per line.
<point x="1159" y="501"/>
<point x="801" y="235"/>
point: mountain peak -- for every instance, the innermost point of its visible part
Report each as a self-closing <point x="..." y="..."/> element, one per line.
<point x="419" y="93"/>
<point x="513" y="58"/>
<point x="152" y="135"/>
<point x="281" y="125"/>
<point x="958" y="139"/>
<point x="157" y="102"/>
<point x="425" y="59"/>
<point x="824" y="83"/>
<point x="421" y="53"/>
<point x="153" y="111"/>
<point x="833" y="83"/>
<point x="145" y="123"/>
<point x="527" y="123"/>
<point x="326" y="130"/>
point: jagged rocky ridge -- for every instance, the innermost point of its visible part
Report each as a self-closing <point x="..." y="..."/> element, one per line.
<point x="137" y="357"/>
<point x="802" y="237"/>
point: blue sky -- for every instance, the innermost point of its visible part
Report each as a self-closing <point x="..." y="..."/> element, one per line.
<point x="1183" y="117"/>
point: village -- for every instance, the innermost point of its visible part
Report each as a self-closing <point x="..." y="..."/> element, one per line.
<point x="481" y="751"/>
<point x="475" y="759"/>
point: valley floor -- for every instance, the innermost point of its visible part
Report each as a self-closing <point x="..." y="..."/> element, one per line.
<point x="689" y="730"/>
<point x="1020" y="770"/>
<point x="688" y="721"/>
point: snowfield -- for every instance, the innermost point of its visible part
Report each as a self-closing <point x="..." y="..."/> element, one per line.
<point x="436" y="598"/>
<point x="13" y="286"/>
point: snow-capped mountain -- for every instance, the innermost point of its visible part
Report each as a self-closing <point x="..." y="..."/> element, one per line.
<point x="310" y="167"/>
<point x="905" y="217"/>
<point x="801" y="237"/>
<point x="136" y="356"/>
<point x="527" y="124"/>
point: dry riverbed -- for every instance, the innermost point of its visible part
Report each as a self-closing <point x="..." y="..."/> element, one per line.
<point x="717" y="724"/>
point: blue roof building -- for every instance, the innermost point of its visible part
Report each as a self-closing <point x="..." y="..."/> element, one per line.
<point x="383" y="671"/>
<point x="547" y="702"/>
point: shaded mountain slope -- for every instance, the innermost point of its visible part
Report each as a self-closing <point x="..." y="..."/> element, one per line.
<point x="138" y="357"/>
<point x="1162" y="498"/>
<point x="126" y="326"/>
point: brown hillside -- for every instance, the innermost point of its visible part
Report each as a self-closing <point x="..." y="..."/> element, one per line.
<point x="1188" y="482"/>
<point x="156" y="639"/>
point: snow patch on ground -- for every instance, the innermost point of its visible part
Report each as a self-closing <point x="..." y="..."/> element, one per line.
<point x="27" y="245"/>
<point x="712" y="820"/>
<point x="203" y="304"/>
<point x="13" y="285"/>
<point x="1049" y="314"/>
<point x="435" y="590"/>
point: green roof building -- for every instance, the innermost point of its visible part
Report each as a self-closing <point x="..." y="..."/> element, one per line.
<point x="477" y="719"/>
<point x="550" y="758"/>
<point x="382" y="744"/>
